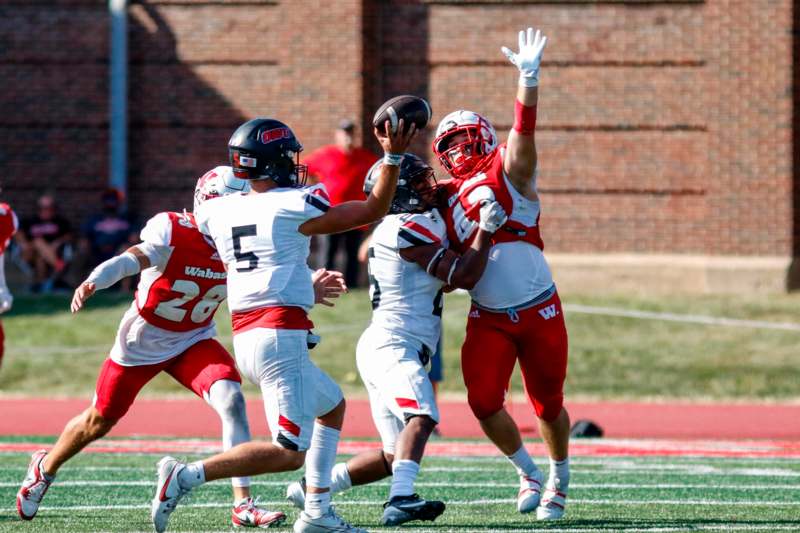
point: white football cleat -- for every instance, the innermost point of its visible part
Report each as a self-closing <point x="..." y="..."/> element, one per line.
<point x="247" y="513"/>
<point x="554" y="503"/>
<point x="296" y="493"/>
<point x="327" y="523"/>
<point x="168" y="492"/>
<point x="530" y="492"/>
<point x="33" y="488"/>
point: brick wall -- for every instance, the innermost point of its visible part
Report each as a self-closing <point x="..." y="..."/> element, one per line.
<point x="664" y="126"/>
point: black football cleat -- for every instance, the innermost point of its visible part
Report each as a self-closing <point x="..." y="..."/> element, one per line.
<point x="402" y="509"/>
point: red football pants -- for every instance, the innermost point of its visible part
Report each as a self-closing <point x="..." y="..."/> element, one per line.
<point x="199" y="367"/>
<point x="495" y="342"/>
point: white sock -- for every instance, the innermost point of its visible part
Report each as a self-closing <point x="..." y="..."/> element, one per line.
<point x="192" y="476"/>
<point x="340" y="478"/>
<point x="404" y="475"/>
<point x="226" y="397"/>
<point x="319" y="463"/>
<point x="523" y="463"/>
<point x="559" y="474"/>
<point x="317" y="503"/>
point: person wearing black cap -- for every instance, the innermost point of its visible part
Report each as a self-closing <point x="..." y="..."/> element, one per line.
<point x="341" y="167"/>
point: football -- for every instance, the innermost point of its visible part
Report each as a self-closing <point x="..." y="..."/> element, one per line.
<point x="408" y="107"/>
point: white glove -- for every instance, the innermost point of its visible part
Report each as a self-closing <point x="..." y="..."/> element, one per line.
<point x="529" y="56"/>
<point x="493" y="216"/>
<point x="6" y="299"/>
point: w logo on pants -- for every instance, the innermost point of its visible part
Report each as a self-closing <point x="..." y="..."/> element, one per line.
<point x="548" y="311"/>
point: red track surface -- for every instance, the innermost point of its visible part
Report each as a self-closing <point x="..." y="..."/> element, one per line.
<point x="193" y="418"/>
<point x="578" y="448"/>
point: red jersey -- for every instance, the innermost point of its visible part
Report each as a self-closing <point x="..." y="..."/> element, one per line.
<point x="8" y="225"/>
<point x="183" y="294"/>
<point x="342" y="173"/>
<point x="489" y="182"/>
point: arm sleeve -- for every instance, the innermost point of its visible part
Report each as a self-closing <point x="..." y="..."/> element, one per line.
<point x="419" y="230"/>
<point x="109" y="272"/>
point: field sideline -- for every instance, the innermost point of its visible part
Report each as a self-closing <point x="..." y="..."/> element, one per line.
<point x="685" y="492"/>
<point x="639" y="357"/>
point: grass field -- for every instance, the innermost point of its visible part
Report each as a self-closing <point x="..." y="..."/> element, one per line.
<point x="110" y="492"/>
<point x="50" y="352"/>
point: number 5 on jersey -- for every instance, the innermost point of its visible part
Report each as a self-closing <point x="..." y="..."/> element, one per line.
<point x="237" y="232"/>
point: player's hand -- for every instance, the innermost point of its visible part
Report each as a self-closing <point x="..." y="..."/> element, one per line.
<point x="529" y="57"/>
<point x="328" y="285"/>
<point x="396" y="142"/>
<point x="493" y="216"/>
<point x="6" y="299"/>
<point x="82" y="293"/>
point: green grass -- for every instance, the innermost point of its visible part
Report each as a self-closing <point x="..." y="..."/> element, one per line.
<point x="606" y="494"/>
<point x="50" y="352"/>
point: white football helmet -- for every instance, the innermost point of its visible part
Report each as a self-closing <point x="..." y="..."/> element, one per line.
<point x="217" y="182"/>
<point x="459" y="158"/>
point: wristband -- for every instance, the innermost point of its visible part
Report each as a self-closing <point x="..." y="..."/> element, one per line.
<point x="434" y="262"/>
<point x="452" y="269"/>
<point x="524" y="118"/>
<point x="529" y="79"/>
<point x="394" y="160"/>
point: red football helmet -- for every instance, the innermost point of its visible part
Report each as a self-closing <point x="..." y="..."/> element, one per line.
<point x="460" y="155"/>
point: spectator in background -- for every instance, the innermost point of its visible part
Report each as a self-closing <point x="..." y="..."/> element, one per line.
<point x="108" y="232"/>
<point x="46" y="244"/>
<point x="342" y="167"/>
<point x="104" y="234"/>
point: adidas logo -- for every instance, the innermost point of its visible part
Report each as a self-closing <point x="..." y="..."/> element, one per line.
<point x="474" y="314"/>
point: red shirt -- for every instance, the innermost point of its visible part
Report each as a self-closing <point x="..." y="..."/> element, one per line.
<point x="8" y="226"/>
<point x="342" y="173"/>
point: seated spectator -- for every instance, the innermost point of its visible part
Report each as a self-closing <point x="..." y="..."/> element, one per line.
<point x="105" y="234"/>
<point x="45" y="241"/>
<point x="109" y="232"/>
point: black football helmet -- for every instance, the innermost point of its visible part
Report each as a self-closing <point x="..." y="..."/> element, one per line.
<point x="265" y="148"/>
<point x="416" y="177"/>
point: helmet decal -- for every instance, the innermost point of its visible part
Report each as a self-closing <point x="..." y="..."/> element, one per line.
<point x="276" y="134"/>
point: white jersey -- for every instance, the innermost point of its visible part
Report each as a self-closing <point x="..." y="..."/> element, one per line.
<point x="258" y="240"/>
<point x="139" y="342"/>
<point x="406" y="299"/>
<point x="516" y="272"/>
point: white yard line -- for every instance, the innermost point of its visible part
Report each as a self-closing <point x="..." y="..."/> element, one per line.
<point x="587" y="529"/>
<point x="685" y="318"/>
<point x="431" y="484"/>
<point x="461" y="503"/>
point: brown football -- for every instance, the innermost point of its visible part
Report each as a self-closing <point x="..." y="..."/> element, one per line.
<point x="412" y="109"/>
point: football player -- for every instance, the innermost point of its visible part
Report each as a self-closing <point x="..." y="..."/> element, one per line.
<point x="169" y="327"/>
<point x="516" y="310"/>
<point x="409" y="266"/>
<point x="8" y="227"/>
<point x="263" y="238"/>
